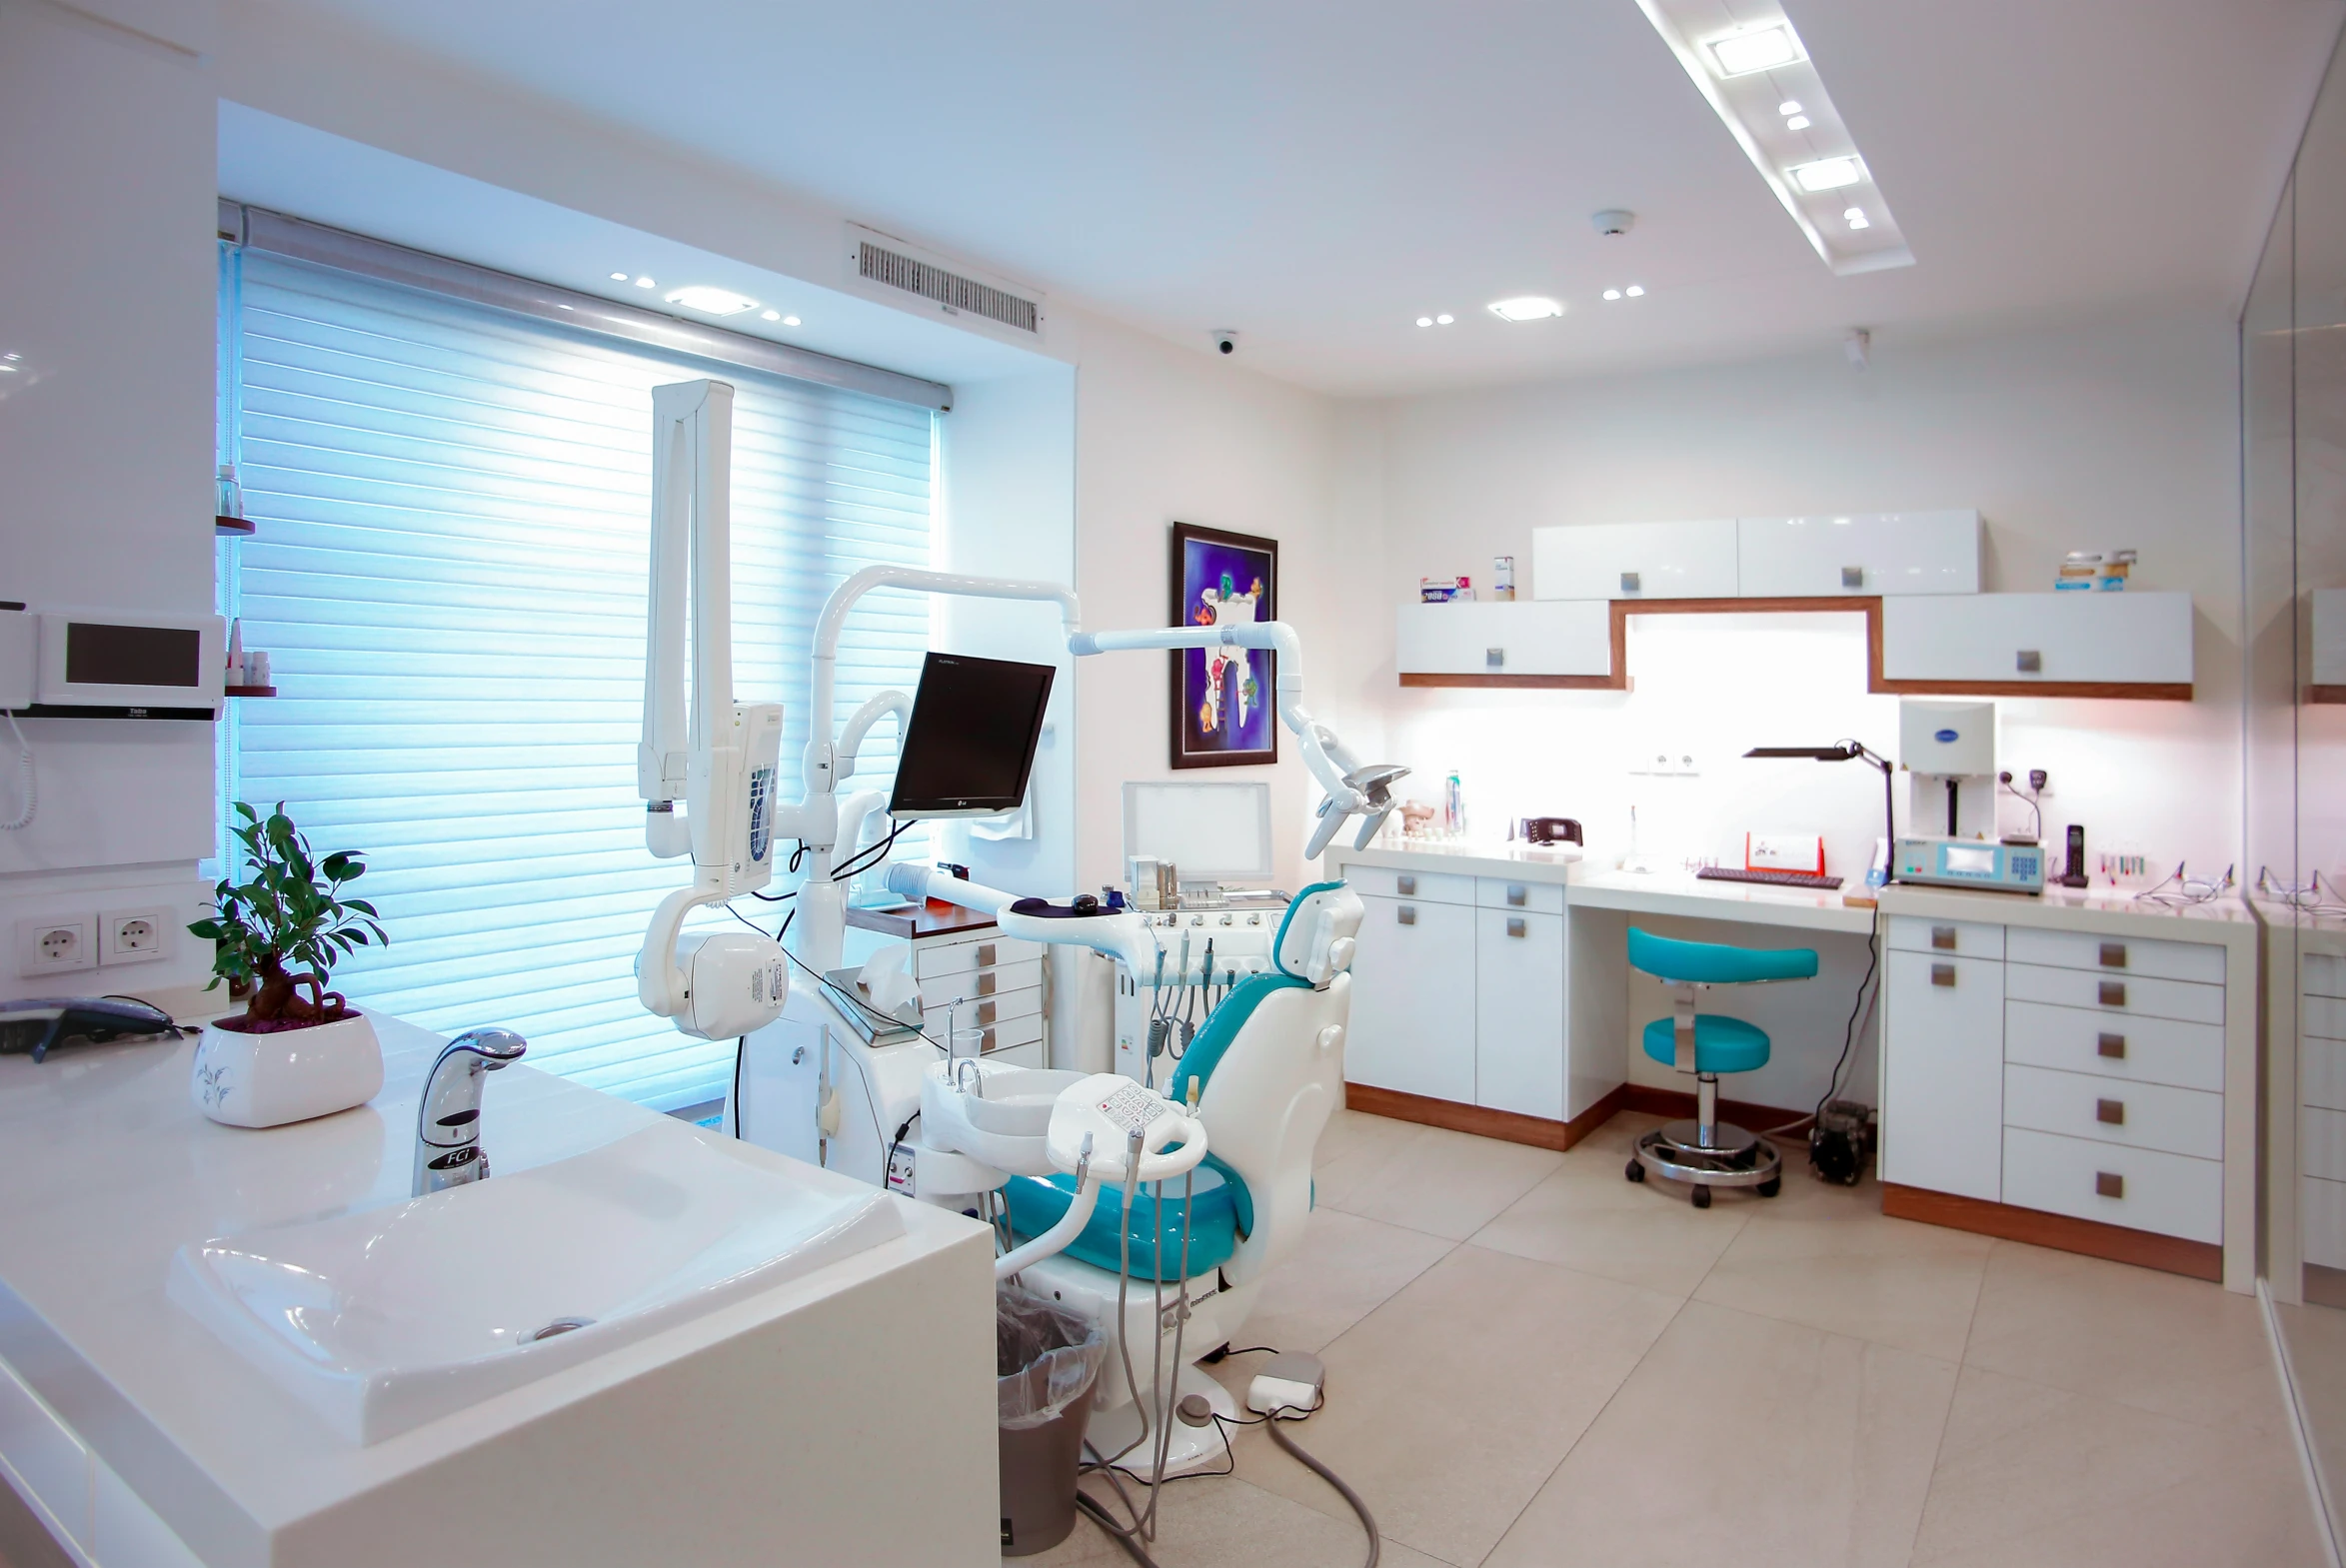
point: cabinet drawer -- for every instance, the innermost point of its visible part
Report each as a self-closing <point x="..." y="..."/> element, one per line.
<point x="1636" y="560"/>
<point x="961" y="958"/>
<point x="2111" y="1111"/>
<point x="2115" y="996"/>
<point x="1525" y="637"/>
<point x="2321" y="1221"/>
<point x="2321" y="1073"/>
<point x="1864" y="553"/>
<point x="2323" y="1018"/>
<point x="979" y="1013"/>
<point x="2134" y="1049"/>
<point x="2321" y="1142"/>
<point x="1420" y="887"/>
<point x="2145" y="1189"/>
<point x="2153" y="960"/>
<point x="2325" y="974"/>
<point x="937" y="990"/>
<point x="1030" y="1054"/>
<point x="46" y="1457"/>
<point x="1964" y="938"/>
<point x="1013" y="1033"/>
<point x="1528" y="897"/>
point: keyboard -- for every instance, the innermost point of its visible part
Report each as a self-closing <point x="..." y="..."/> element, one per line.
<point x="1729" y="873"/>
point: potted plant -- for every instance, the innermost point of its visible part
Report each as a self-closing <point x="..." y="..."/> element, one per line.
<point x="298" y="1049"/>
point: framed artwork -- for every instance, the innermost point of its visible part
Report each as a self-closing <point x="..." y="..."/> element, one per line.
<point x="1222" y="698"/>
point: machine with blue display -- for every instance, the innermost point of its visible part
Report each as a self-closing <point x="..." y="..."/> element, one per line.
<point x="1970" y="863"/>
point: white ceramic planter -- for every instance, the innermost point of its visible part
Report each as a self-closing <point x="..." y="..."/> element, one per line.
<point x="265" y="1080"/>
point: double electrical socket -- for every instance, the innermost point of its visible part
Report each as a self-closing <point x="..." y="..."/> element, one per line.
<point x="57" y="944"/>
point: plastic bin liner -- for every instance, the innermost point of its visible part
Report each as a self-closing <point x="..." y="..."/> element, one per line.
<point x="1045" y="1358"/>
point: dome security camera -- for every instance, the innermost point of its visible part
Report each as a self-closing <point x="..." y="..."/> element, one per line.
<point x="1226" y="341"/>
<point x="1612" y="221"/>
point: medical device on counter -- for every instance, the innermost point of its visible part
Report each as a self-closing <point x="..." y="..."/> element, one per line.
<point x="1950" y="748"/>
<point x="1971" y="863"/>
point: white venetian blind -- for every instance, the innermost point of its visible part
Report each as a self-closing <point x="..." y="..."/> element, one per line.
<point x="449" y="575"/>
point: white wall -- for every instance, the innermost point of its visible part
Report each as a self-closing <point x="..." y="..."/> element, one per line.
<point x="106" y="438"/>
<point x="2120" y="432"/>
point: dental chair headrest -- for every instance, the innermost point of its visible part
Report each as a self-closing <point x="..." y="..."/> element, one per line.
<point x="1315" y="941"/>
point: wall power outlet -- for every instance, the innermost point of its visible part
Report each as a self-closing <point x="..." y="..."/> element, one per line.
<point x="56" y="944"/>
<point x="133" y="935"/>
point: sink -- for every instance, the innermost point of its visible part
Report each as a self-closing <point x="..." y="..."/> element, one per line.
<point x="382" y="1320"/>
<point x="1017" y="1103"/>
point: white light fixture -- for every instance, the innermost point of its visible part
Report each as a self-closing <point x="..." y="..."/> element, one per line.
<point x="789" y="321"/>
<point x="1857" y="219"/>
<point x="1788" y="108"/>
<point x="1826" y="174"/>
<point x="644" y="283"/>
<point x="1637" y="291"/>
<point x="1425" y="321"/>
<point x="1798" y="122"/>
<point x="1444" y="318"/>
<point x="710" y="300"/>
<point x="1526" y="307"/>
<point x="1612" y="294"/>
<point x="771" y="315"/>
<point x="618" y="277"/>
<point x="1753" y="49"/>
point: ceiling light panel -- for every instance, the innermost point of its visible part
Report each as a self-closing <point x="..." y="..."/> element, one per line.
<point x="710" y="300"/>
<point x="1750" y="65"/>
<point x="1526" y="307"/>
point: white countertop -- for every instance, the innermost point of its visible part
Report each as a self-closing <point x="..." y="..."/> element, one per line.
<point x="1534" y="863"/>
<point x="2113" y="912"/>
<point x="1749" y="903"/>
<point x="110" y="1170"/>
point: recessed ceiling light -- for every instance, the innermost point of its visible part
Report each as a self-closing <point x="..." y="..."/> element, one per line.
<point x="1826" y="174"/>
<point x="1637" y="291"/>
<point x="1425" y="321"/>
<point x="1798" y="122"/>
<point x="1527" y="307"/>
<point x="1754" y="49"/>
<point x="789" y="321"/>
<point x="710" y="300"/>
<point x="644" y="283"/>
<point x="771" y="315"/>
<point x="1612" y="294"/>
<point x="1789" y="107"/>
<point x="618" y="277"/>
<point x="1858" y="218"/>
<point x="1444" y="318"/>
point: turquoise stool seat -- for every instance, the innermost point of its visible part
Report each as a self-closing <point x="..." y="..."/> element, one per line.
<point x="1720" y="1044"/>
<point x="1715" y="964"/>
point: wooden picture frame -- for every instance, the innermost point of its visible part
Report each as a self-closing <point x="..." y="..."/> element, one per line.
<point x="1223" y="713"/>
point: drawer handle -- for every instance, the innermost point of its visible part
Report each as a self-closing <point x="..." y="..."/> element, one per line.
<point x="2111" y="1112"/>
<point x="1495" y="657"/>
<point x="2030" y="661"/>
<point x="1943" y="974"/>
<point x="986" y="1041"/>
<point x="1517" y="894"/>
<point x="2113" y="993"/>
<point x="1516" y="925"/>
<point x="2113" y="1047"/>
<point x="1852" y="576"/>
<point x="985" y="1012"/>
<point x="1943" y="937"/>
<point x="1629" y="580"/>
<point x="2113" y="956"/>
<point x="1407" y="915"/>
<point x="986" y="982"/>
<point x="2108" y="1185"/>
<point x="985" y="955"/>
<point x="1408" y="886"/>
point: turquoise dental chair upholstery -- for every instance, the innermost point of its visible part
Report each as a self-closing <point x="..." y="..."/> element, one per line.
<point x="1705" y="1152"/>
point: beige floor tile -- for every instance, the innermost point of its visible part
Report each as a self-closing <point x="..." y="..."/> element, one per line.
<point x="1743" y="1439"/>
<point x="1347" y="1268"/>
<point x="1354" y="1148"/>
<point x="1616" y="1135"/>
<point x="1443" y="1183"/>
<point x="2157" y="1341"/>
<point x="2317" y="1337"/>
<point x="2030" y="1475"/>
<point x="1890" y="1281"/>
<point x="1587" y="1216"/>
<point x="1451" y="1403"/>
<point x="1228" y="1521"/>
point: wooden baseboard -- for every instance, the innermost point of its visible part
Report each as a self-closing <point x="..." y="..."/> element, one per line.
<point x="1507" y="1125"/>
<point x="1678" y="1105"/>
<point x="2118" y="1244"/>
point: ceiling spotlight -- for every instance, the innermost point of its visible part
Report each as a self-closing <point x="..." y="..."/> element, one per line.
<point x="618" y="277"/>
<point x="1444" y="318"/>
<point x="1527" y="307"/>
<point x="769" y="316"/>
<point x="1637" y="291"/>
<point x="644" y="283"/>
<point x="1612" y="294"/>
<point x="1826" y="174"/>
<point x="789" y="321"/>
<point x="1788" y="108"/>
<point x="710" y="300"/>
<point x="1858" y="218"/>
<point x="1798" y="122"/>
<point x="1754" y="49"/>
<point x="1425" y="321"/>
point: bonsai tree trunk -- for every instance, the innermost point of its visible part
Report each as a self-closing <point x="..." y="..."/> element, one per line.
<point x="278" y="996"/>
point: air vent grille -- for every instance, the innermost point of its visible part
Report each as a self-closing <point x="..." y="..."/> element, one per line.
<point x="878" y="264"/>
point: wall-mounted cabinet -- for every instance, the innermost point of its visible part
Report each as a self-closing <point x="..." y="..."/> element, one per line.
<point x="2329" y="647"/>
<point x="1886" y="553"/>
<point x="1636" y="560"/>
<point x="2015" y="645"/>
<point x="1499" y="643"/>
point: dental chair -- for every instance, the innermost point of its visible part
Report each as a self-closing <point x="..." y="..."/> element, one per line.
<point x="1265" y="1075"/>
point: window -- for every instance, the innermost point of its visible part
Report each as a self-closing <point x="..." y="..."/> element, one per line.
<point x="449" y="575"/>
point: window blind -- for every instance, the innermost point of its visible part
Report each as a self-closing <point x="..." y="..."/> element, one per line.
<point x="450" y="575"/>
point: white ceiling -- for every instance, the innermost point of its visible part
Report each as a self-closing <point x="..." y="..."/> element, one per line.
<point x="1320" y="176"/>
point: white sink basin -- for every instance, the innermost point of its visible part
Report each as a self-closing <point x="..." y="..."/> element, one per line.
<point x="382" y="1320"/>
<point x="1017" y="1103"/>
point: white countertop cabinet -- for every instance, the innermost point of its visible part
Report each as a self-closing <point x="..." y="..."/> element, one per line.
<point x="1501" y="639"/>
<point x="1882" y="553"/>
<point x="1636" y="560"/>
<point x="1412" y="1023"/>
<point x="1942" y="1111"/>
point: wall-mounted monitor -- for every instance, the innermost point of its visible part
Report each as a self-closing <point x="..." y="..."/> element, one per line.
<point x="970" y="746"/>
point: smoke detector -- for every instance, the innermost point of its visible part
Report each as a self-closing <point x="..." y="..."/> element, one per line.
<point x="1613" y="220"/>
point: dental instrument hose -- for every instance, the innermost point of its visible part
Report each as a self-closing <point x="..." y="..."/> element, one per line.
<point x="1296" y="1450"/>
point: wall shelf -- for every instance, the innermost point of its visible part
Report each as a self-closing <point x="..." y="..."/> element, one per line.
<point x="248" y="691"/>
<point x="231" y="528"/>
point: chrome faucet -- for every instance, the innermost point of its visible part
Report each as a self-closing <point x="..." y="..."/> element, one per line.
<point x="448" y="1123"/>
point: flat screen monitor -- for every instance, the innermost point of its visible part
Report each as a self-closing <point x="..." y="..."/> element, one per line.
<point x="970" y="744"/>
<point x="1213" y="833"/>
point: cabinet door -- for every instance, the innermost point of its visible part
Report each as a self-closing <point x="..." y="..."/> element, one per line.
<point x="1412" y="1023"/>
<point x="1520" y="1013"/>
<point x="1505" y="638"/>
<point x="1862" y="553"/>
<point x="1943" y="1074"/>
<point x="1636" y="560"/>
<point x="1999" y="640"/>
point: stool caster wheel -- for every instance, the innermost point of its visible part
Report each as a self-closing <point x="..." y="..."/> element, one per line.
<point x="1768" y="1189"/>
<point x="1703" y="1197"/>
<point x="1636" y="1171"/>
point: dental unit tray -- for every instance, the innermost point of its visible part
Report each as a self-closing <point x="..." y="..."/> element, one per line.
<point x="864" y="1015"/>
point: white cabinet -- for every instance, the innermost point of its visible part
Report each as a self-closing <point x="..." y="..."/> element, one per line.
<point x="2329" y="637"/>
<point x="1636" y="560"/>
<point x="1524" y="638"/>
<point x="1990" y="642"/>
<point x="1943" y="1074"/>
<point x="1519" y="986"/>
<point x="1862" y="553"/>
<point x="1412" y="999"/>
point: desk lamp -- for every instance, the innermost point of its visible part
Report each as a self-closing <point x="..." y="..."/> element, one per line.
<point x="1847" y="752"/>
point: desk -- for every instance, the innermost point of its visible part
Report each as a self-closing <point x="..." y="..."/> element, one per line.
<point x="1747" y="904"/>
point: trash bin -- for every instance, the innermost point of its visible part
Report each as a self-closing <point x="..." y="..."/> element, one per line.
<point x="1046" y="1361"/>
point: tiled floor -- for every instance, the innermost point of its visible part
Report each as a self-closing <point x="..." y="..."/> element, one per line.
<point x="1534" y="1364"/>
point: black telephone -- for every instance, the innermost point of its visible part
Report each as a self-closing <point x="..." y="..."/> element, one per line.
<point x="1551" y="830"/>
<point x="2073" y="873"/>
<point x="40" y="1023"/>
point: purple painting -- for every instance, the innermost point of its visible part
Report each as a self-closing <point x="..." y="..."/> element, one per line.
<point x="1223" y="697"/>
